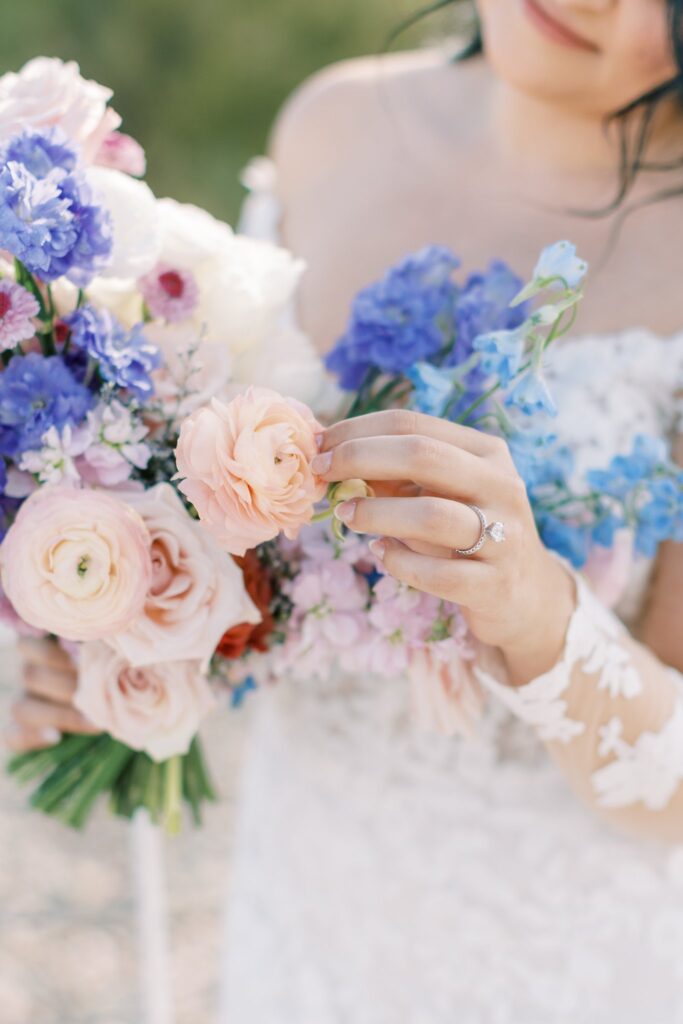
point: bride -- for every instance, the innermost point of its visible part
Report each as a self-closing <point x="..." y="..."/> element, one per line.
<point x="532" y="874"/>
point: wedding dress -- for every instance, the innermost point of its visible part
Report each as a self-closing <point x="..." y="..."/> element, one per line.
<point x="387" y="877"/>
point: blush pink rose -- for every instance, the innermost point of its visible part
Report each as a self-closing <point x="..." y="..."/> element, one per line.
<point x="123" y="153"/>
<point x="246" y="467"/>
<point x="76" y="563"/>
<point x="157" y="709"/>
<point x="197" y="591"/>
<point x="49" y="92"/>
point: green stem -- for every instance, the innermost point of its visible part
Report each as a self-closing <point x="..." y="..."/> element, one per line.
<point x="173" y="795"/>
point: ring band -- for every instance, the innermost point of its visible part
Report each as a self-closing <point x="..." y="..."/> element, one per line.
<point x="496" y="531"/>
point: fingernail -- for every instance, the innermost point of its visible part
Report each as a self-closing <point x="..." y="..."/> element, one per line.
<point x="321" y="463"/>
<point x="319" y="441"/>
<point x="378" y="548"/>
<point x="346" y="511"/>
<point x="50" y="735"/>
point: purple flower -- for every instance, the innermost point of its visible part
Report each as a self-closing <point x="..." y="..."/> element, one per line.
<point x="17" y="309"/>
<point x="124" y="358"/>
<point x="36" y="223"/>
<point x="42" y="152"/>
<point x="484" y="307"/>
<point x="37" y="393"/>
<point x="49" y="219"/>
<point x="406" y="317"/>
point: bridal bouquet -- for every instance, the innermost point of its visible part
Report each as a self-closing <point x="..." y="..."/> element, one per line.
<point x="158" y="420"/>
<point x="119" y="314"/>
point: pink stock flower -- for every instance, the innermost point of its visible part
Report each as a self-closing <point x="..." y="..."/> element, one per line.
<point x="246" y="467"/>
<point x="123" y="153"/>
<point x="609" y="570"/>
<point x="17" y="309"/>
<point x="157" y="709"/>
<point x="446" y="695"/>
<point x="171" y="294"/>
<point x="76" y="563"/>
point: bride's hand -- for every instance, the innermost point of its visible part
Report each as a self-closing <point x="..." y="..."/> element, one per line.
<point x="45" y="709"/>
<point x="514" y="594"/>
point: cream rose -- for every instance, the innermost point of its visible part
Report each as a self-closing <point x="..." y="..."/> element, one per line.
<point x="46" y="92"/>
<point x="76" y="563"/>
<point x="246" y="467"/>
<point x="197" y="591"/>
<point x="157" y="709"/>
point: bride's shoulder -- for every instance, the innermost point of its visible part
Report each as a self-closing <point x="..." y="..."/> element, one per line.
<point x="356" y="102"/>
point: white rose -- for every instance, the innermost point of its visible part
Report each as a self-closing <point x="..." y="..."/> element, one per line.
<point x="197" y="590"/>
<point x="157" y="709"/>
<point x="49" y="92"/>
<point x="191" y="237"/>
<point x="287" y="362"/>
<point x="250" y="289"/>
<point x="137" y="230"/>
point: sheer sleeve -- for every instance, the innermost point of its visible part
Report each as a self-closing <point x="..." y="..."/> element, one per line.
<point x="611" y="714"/>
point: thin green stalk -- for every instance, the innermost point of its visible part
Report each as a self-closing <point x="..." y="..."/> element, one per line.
<point x="173" y="798"/>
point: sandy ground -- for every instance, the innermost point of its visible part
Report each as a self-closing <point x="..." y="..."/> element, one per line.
<point x="68" y="934"/>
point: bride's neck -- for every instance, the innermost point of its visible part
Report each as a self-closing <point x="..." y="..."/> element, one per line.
<point x="543" y="137"/>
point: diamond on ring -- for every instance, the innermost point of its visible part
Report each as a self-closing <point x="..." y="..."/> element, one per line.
<point x="496" y="531"/>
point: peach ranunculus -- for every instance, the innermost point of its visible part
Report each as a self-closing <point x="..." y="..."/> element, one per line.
<point x="246" y="467"/>
<point x="157" y="709"/>
<point x="48" y="92"/>
<point x="197" y="591"/>
<point x="76" y="563"/>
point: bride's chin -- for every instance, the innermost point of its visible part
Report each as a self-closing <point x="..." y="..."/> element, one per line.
<point x="524" y="60"/>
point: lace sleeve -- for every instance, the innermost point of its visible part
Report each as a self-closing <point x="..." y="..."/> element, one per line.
<point x="610" y="712"/>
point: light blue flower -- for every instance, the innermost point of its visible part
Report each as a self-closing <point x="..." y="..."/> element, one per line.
<point x="560" y="260"/>
<point x="502" y="353"/>
<point x="570" y="540"/>
<point x="434" y="388"/>
<point x="531" y="396"/>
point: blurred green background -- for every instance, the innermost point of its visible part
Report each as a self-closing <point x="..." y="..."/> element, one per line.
<point x="199" y="82"/>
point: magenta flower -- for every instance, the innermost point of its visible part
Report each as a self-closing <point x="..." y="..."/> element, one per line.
<point x="170" y="293"/>
<point x="17" y="309"/>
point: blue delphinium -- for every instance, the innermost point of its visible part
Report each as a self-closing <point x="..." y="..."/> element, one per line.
<point x="530" y="394"/>
<point x="37" y="393"/>
<point x="660" y="518"/>
<point x="627" y="471"/>
<point x="570" y="539"/>
<point x="49" y="219"/>
<point x="433" y="388"/>
<point x="560" y="261"/>
<point x="484" y="306"/>
<point x="406" y="317"/>
<point x="124" y="358"/>
<point x="501" y="353"/>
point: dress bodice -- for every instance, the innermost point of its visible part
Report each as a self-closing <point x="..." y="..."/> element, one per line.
<point x="388" y="877"/>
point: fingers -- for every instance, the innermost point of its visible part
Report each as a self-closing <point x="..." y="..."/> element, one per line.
<point x="45" y="653"/>
<point x="20" y="741"/>
<point x="431" y="463"/>
<point x="34" y="715"/>
<point x="59" y="687"/>
<point x="432" y="521"/>
<point x="457" y="580"/>
<point x="406" y="422"/>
